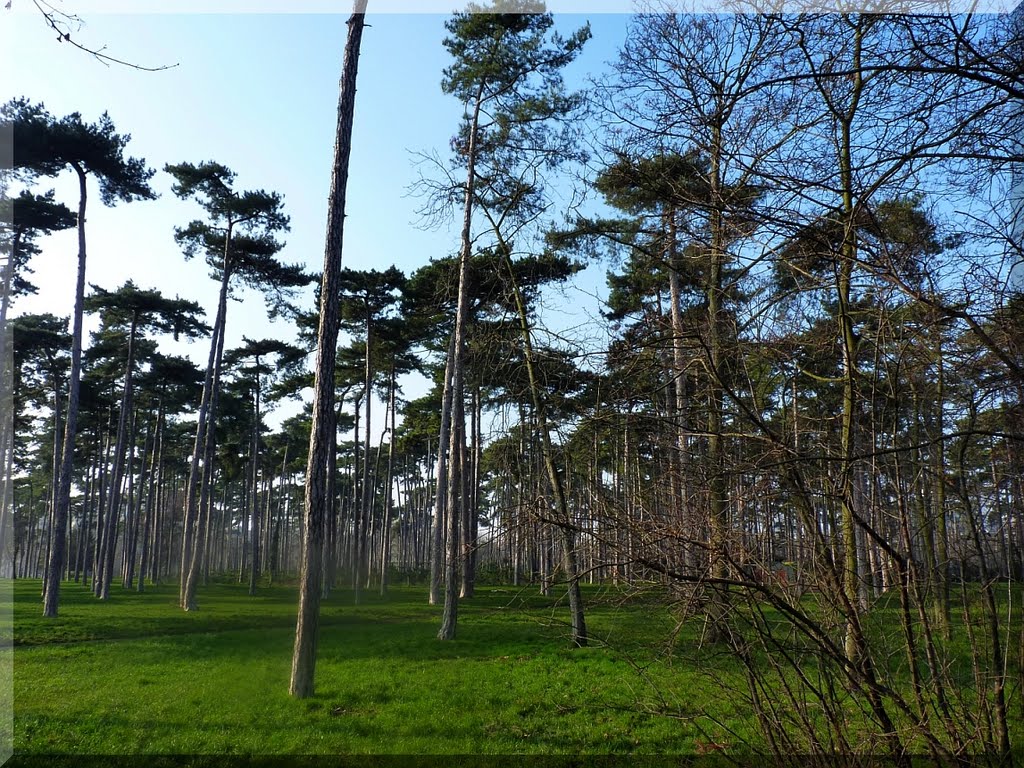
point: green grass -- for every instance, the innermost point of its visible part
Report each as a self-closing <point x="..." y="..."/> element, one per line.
<point x="137" y="675"/>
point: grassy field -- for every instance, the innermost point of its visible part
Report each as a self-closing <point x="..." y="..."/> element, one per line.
<point x="137" y="675"/>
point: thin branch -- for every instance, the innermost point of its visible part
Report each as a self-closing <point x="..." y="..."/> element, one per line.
<point x="61" y="23"/>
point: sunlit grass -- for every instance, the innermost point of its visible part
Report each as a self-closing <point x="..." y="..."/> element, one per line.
<point x="137" y="675"/>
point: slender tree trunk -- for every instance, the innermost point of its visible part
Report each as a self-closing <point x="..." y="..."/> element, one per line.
<point x="678" y="375"/>
<point x="114" y="494"/>
<point x="135" y="495"/>
<point x="470" y="513"/>
<point x="437" y="554"/>
<point x="189" y="534"/>
<point x="360" y="567"/>
<point x="453" y="512"/>
<point x="563" y="521"/>
<point x="849" y="352"/>
<point x="196" y="558"/>
<point x="454" y="377"/>
<point x="150" y="487"/>
<point x="63" y="500"/>
<point x="160" y="494"/>
<point x="254" y="534"/>
<point x="54" y="475"/>
<point x="322" y="430"/>
<point x="385" y="548"/>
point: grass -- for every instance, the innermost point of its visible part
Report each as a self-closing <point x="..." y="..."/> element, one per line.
<point x="136" y="675"/>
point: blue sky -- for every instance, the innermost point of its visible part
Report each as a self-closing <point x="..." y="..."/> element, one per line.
<point x="257" y="93"/>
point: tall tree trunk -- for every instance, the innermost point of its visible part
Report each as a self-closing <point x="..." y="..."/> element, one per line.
<point x="679" y="465"/>
<point x="191" y="515"/>
<point x="437" y="552"/>
<point x="160" y="495"/>
<point x="150" y="491"/>
<point x="454" y="374"/>
<point x="470" y="513"/>
<point x="135" y="499"/>
<point x="63" y="500"/>
<point x="114" y="494"/>
<point x="455" y="498"/>
<point x="322" y="430"/>
<point x="385" y="547"/>
<point x="193" y="559"/>
<point x="254" y="533"/>
<point x="359" y="566"/>
<point x="939" y="493"/>
<point x="563" y="521"/>
<point x="717" y="485"/>
<point x="54" y="477"/>
<point x="848" y="257"/>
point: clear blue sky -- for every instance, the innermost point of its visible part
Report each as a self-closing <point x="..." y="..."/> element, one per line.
<point x="257" y="93"/>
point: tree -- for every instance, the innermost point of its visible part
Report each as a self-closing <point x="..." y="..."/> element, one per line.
<point x="31" y="216"/>
<point x="366" y="297"/>
<point x="41" y="363"/>
<point x="134" y="311"/>
<point x="260" y="353"/>
<point x="506" y="72"/>
<point x="321" y="439"/>
<point x="21" y="221"/>
<point x="45" y="146"/>
<point x="238" y="241"/>
<point x="170" y="386"/>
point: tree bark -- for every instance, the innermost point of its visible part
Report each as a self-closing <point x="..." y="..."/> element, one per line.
<point x="62" y="504"/>
<point x="563" y="521"/>
<point x="189" y="525"/>
<point x="323" y="427"/>
<point x="385" y="549"/>
<point x="192" y="558"/>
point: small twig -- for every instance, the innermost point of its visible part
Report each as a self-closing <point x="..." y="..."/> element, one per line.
<point x="61" y="22"/>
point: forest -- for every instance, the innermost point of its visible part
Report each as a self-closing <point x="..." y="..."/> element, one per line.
<point x="793" y="430"/>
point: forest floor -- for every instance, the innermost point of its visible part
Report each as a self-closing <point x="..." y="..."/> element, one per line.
<point x="136" y="675"/>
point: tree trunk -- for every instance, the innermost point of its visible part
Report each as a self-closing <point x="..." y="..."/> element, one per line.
<point x="453" y="512"/>
<point x="63" y="500"/>
<point x="254" y="533"/>
<point x="563" y="521"/>
<point x="359" y="565"/>
<point x="385" y="548"/>
<point x="189" y="533"/>
<point x="322" y="430"/>
<point x="150" y="491"/>
<point x="192" y="560"/>
<point x="454" y="377"/>
<point x="114" y="494"/>
<point x="437" y="555"/>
